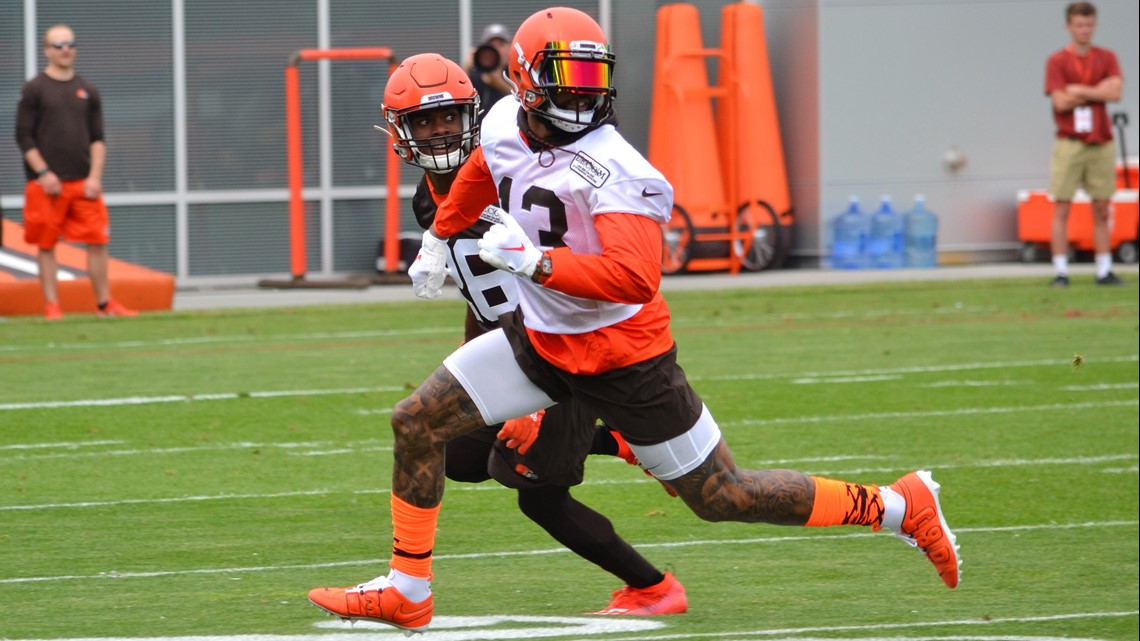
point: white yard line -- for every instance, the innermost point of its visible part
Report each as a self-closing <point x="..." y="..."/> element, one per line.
<point x="820" y="377"/>
<point x="509" y="627"/>
<point x="922" y="369"/>
<point x="463" y="487"/>
<point x="235" y="338"/>
<point x="680" y="322"/>
<point x="962" y="411"/>
<point x="64" y="445"/>
<point x="794" y="634"/>
<point x="188" y="398"/>
<point x="111" y="574"/>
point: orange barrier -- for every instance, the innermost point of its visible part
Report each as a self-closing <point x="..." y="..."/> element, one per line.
<point x="729" y="202"/>
<point x="298" y="263"/>
<point x="132" y="285"/>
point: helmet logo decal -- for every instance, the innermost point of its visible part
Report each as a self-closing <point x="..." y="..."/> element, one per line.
<point x="586" y="46"/>
<point x="435" y="97"/>
<point x="522" y="57"/>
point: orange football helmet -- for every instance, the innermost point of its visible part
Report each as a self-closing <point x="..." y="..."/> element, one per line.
<point x="561" y="68"/>
<point x="420" y="86"/>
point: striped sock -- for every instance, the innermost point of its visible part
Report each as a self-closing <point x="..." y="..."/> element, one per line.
<point x="842" y="503"/>
<point x="413" y="536"/>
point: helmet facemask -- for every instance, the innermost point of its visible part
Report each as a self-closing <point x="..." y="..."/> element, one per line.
<point x="439" y="153"/>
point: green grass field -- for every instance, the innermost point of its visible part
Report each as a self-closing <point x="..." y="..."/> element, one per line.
<point x="194" y="474"/>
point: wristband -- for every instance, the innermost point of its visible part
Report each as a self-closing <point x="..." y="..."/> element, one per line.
<point x="43" y="172"/>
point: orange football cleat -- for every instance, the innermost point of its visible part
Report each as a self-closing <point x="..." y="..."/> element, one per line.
<point x="924" y="527"/>
<point x="667" y="597"/>
<point x="377" y="600"/>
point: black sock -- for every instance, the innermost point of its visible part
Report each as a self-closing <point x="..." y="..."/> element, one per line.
<point x="588" y="534"/>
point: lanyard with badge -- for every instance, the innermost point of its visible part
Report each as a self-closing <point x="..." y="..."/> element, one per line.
<point x="1082" y="115"/>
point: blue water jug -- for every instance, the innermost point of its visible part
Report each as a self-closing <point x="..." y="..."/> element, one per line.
<point x="921" y="231"/>
<point x="849" y="238"/>
<point x="885" y="247"/>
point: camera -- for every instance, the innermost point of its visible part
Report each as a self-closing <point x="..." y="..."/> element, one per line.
<point x="487" y="56"/>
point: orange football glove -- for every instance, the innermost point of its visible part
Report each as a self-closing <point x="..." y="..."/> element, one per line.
<point x="521" y="433"/>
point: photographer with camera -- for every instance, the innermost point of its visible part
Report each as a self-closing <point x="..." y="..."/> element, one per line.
<point x="486" y="64"/>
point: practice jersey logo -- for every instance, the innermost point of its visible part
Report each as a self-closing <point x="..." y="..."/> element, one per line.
<point x="81" y="93"/>
<point x="593" y="171"/>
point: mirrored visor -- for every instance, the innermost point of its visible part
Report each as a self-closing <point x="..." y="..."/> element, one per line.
<point x="566" y="71"/>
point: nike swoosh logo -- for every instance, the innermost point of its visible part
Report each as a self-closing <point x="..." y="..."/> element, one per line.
<point x="407" y="613"/>
<point x="645" y="193"/>
<point x="515" y="249"/>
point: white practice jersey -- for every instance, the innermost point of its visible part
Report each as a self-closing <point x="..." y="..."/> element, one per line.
<point x="555" y="194"/>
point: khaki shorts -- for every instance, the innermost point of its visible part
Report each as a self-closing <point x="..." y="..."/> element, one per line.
<point x="1077" y="164"/>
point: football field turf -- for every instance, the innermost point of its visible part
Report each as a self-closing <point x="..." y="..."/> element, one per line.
<point x="193" y="474"/>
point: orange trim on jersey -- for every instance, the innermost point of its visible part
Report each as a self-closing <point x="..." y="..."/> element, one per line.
<point x="436" y="198"/>
<point x="627" y="271"/>
<point x="643" y="336"/>
<point x="473" y="189"/>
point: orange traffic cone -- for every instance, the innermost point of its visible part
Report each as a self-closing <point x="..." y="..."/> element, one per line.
<point x="682" y="139"/>
<point x="752" y="149"/>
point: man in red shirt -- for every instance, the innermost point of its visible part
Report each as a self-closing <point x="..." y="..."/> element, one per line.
<point x="1079" y="80"/>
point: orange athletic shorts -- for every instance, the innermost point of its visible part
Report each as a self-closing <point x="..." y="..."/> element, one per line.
<point x="77" y="218"/>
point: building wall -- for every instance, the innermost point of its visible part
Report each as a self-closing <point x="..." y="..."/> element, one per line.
<point x="903" y="82"/>
<point x="871" y="93"/>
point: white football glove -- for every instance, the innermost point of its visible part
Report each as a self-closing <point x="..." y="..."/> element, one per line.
<point x="505" y="246"/>
<point x="429" y="269"/>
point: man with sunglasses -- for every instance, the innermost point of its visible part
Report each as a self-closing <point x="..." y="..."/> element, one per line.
<point x="583" y="240"/>
<point x="59" y="129"/>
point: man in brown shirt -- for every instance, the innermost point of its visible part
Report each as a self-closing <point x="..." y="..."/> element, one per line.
<point x="59" y="128"/>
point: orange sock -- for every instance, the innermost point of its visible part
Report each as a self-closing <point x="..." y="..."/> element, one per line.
<point x="841" y="503"/>
<point x="413" y="537"/>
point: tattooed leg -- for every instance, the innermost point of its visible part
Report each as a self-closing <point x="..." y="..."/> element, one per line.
<point x="423" y="423"/>
<point x="717" y="490"/>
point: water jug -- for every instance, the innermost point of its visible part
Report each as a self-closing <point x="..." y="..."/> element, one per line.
<point x="921" y="235"/>
<point x="885" y="247"/>
<point x="849" y="238"/>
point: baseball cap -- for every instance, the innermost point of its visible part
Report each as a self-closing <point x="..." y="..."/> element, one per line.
<point x="496" y="30"/>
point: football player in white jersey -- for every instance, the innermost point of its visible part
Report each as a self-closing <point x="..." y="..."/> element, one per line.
<point x="432" y="113"/>
<point x="583" y="238"/>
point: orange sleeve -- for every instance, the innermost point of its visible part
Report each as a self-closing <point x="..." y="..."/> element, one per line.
<point x="627" y="271"/>
<point x="473" y="189"/>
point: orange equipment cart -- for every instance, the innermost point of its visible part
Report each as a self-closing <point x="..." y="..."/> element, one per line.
<point x="1035" y="221"/>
